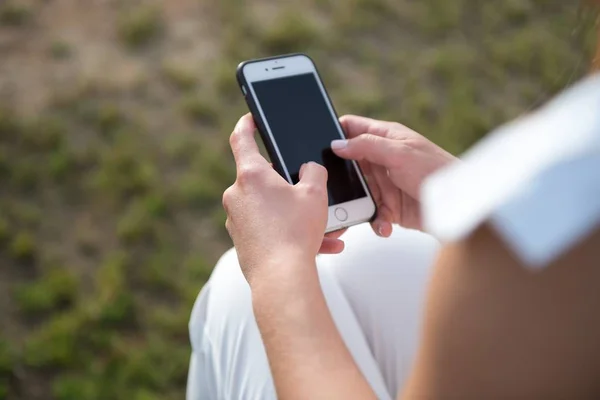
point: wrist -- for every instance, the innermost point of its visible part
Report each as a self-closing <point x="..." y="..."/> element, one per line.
<point x="283" y="273"/>
<point x="285" y="295"/>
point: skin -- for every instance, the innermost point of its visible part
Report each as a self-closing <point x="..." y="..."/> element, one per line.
<point x="279" y="264"/>
<point x="492" y="328"/>
<point x="495" y="330"/>
<point x="383" y="150"/>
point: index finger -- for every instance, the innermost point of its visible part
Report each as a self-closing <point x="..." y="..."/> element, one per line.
<point x="355" y="125"/>
<point x="243" y="145"/>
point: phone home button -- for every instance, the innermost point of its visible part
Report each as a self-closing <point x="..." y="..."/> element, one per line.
<point x="341" y="214"/>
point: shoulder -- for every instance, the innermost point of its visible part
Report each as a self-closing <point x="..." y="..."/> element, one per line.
<point x="535" y="181"/>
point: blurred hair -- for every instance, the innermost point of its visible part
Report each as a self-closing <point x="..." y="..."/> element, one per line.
<point x="596" y="60"/>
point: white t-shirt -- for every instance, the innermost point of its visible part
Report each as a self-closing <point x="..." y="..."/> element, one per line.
<point x="535" y="180"/>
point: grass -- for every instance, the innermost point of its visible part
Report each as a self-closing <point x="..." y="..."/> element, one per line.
<point x="225" y="80"/>
<point x="372" y="13"/>
<point x="199" y="193"/>
<point x="107" y="118"/>
<point x="22" y="247"/>
<point x="123" y="174"/>
<point x="110" y="203"/>
<point x="290" y="33"/>
<point x="180" y="77"/>
<point x="60" y="164"/>
<point x="4" y="229"/>
<point x="26" y="214"/>
<point x="199" y="109"/>
<point x="157" y="276"/>
<point x="60" y="50"/>
<point x="43" y="133"/>
<point x="438" y="18"/>
<point x="363" y="103"/>
<point x="6" y="366"/>
<point x="63" y="332"/>
<point x="55" y="289"/>
<point x="198" y="268"/>
<point x="136" y="224"/>
<point x="14" y="13"/>
<point x="182" y="147"/>
<point x="140" y="26"/>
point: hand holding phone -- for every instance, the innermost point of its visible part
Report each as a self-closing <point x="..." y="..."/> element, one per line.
<point x="297" y="123"/>
<point x="271" y="222"/>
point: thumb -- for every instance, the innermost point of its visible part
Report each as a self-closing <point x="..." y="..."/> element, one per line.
<point x="313" y="174"/>
<point x="375" y="149"/>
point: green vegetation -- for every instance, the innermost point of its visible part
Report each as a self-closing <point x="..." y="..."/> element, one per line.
<point x="22" y="247"/>
<point x="54" y="344"/>
<point x="110" y="203"/>
<point x="60" y="50"/>
<point x="139" y="26"/>
<point x="107" y="118"/>
<point x="122" y="173"/>
<point x="55" y="289"/>
<point x="289" y="33"/>
<point x="181" y="78"/>
<point x="6" y="366"/>
<point x="14" y="13"/>
<point x="438" y="18"/>
<point x="59" y="164"/>
<point x="225" y="80"/>
<point x="136" y="224"/>
<point x="199" y="109"/>
<point x="4" y="229"/>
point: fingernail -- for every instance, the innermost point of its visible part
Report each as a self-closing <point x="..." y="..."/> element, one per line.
<point x="339" y="144"/>
<point x="382" y="228"/>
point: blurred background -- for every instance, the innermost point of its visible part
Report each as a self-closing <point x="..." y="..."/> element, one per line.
<point x="114" y="120"/>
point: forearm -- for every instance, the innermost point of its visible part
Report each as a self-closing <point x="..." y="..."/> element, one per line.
<point x="306" y="353"/>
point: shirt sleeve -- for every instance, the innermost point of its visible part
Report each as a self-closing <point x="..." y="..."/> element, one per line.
<point x="535" y="180"/>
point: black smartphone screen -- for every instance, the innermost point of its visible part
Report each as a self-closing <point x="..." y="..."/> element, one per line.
<point x="303" y="128"/>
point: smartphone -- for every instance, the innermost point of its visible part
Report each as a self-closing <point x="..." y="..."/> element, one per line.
<point x="297" y="122"/>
